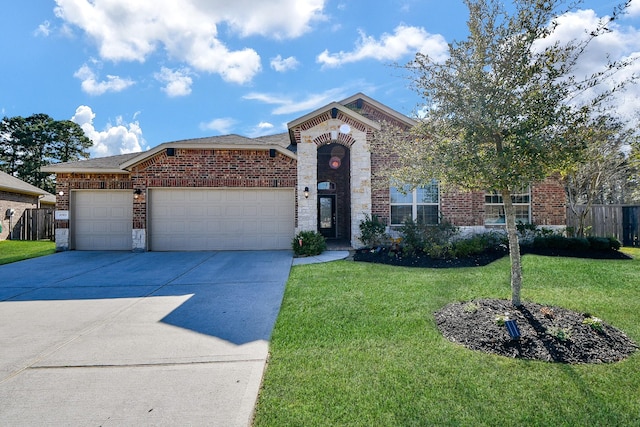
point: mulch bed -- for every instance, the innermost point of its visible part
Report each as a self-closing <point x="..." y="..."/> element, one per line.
<point x="473" y="324"/>
<point x="552" y="334"/>
<point x="390" y="257"/>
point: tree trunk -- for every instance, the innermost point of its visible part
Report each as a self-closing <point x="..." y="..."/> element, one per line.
<point x="514" y="248"/>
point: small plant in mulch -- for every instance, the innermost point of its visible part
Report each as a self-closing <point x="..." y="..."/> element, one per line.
<point x="501" y="319"/>
<point x="471" y="307"/>
<point x="559" y="333"/>
<point x="566" y="337"/>
<point x="547" y="312"/>
<point x="594" y="322"/>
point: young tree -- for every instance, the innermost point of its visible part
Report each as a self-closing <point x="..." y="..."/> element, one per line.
<point x="502" y="111"/>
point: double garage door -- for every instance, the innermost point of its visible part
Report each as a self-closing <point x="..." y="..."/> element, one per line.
<point x="186" y="219"/>
<point x="220" y="219"/>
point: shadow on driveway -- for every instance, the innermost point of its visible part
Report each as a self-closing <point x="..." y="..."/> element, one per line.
<point x="234" y="296"/>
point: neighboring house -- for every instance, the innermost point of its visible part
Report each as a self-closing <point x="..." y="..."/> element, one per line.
<point x="15" y="197"/>
<point x="232" y="192"/>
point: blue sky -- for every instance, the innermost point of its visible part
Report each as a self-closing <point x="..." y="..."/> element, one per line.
<point x="135" y="74"/>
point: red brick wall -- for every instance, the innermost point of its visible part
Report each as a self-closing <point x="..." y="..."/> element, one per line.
<point x="462" y="208"/>
<point x="211" y="168"/>
<point x="548" y="203"/>
<point x="17" y="202"/>
<point x="188" y="168"/>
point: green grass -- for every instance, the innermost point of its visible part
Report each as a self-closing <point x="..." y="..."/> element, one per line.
<point x="356" y="344"/>
<point x="17" y="250"/>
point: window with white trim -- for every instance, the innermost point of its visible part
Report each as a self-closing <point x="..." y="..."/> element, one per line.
<point x="494" y="207"/>
<point x="420" y="204"/>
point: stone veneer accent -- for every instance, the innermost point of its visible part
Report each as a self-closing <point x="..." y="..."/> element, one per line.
<point x="321" y="133"/>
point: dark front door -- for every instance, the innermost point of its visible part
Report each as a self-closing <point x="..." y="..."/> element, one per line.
<point x="630" y="229"/>
<point x="327" y="216"/>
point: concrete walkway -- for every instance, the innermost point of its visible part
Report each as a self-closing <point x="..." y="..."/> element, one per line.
<point x="325" y="256"/>
<point x="119" y="338"/>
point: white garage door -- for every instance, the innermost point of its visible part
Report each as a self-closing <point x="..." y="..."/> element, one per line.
<point x="102" y="220"/>
<point x="220" y="219"/>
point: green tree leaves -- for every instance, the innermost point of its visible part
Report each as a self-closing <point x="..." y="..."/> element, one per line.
<point x="27" y="144"/>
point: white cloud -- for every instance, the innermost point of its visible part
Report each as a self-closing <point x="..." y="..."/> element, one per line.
<point x="92" y="86"/>
<point x="222" y="125"/>
<point x="284" y="64"/>
<point x="178" y="82"/>
<point x="634" y="8"/>
<point x="261" y="129"/>
<point x="116" y="139"/>
<point x="404" y="41"/>
<point x="618" y="44"/>
<point x="188" y="30"/>
<point x="287" y="104"/>
<point x="43" y="29"/>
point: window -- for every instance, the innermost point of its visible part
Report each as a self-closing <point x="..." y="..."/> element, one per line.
<point x="419" y="204"/>
<point x="494" y="207"/>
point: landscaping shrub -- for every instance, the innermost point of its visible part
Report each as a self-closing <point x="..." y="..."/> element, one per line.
<point x="477" y="244"/>
<point x="577" y="243"/>
<point x="599" y="243"/>
<point x="412" y="237"/>
<point x="433" y="240"/>
<point x="308" y="243"/>
<point x="557" y="241"/>
<point x="614" y="243"/>
<point x="372" y="231"/>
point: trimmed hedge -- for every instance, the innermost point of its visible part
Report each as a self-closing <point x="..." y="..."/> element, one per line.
<point x="308" y="243"/>
<point x="557" y="241"/>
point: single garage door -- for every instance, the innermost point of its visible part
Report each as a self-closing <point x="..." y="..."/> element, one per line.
<point x="102" y="220"/>
<point x="220" y="219"/>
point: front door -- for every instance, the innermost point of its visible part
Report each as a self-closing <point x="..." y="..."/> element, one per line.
<point x="327" y="215"/>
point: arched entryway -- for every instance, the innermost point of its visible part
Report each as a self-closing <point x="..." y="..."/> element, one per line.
<point x="334" y="191"/>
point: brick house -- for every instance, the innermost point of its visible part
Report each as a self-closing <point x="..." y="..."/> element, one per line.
<point x="232" y="192"/>
<point x="15" y="197"/>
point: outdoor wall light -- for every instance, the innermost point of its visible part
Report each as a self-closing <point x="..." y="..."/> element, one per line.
<point x="136" y="193"/>
<point x="306" y="192"/>
<point x="60" y="193"/>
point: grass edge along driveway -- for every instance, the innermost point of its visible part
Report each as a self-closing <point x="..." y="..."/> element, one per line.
<point x="18" y="250"/>
<point x="356" y="344"/>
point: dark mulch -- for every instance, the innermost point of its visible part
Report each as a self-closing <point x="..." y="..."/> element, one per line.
<point x="386" y="256"/>
<point x="473" y="324"/>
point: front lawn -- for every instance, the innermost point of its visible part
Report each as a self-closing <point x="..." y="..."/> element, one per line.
<point x="17" y="250"/>
<point x="356" y="344"/>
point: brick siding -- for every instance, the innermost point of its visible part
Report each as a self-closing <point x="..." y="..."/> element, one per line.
<point x="189" y="168"/>
<point x="18" y="202"/>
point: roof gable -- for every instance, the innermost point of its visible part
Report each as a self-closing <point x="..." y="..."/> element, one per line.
<point x="376" y="111"/>
<point x="358" y="109"/>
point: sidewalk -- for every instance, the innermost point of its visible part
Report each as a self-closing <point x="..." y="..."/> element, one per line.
<point x="325" y="256"/>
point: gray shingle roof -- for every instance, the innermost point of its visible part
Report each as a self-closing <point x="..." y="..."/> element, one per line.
<point x="114" y="164"/>
<point x="12" y="184"/>
<point x="98" y="163"/>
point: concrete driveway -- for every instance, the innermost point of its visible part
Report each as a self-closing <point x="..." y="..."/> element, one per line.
<point x="119" y="338"/>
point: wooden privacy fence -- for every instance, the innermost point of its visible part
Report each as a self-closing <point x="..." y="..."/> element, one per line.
<point x="619" y="221"/>
<point x="34" y="224"/>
